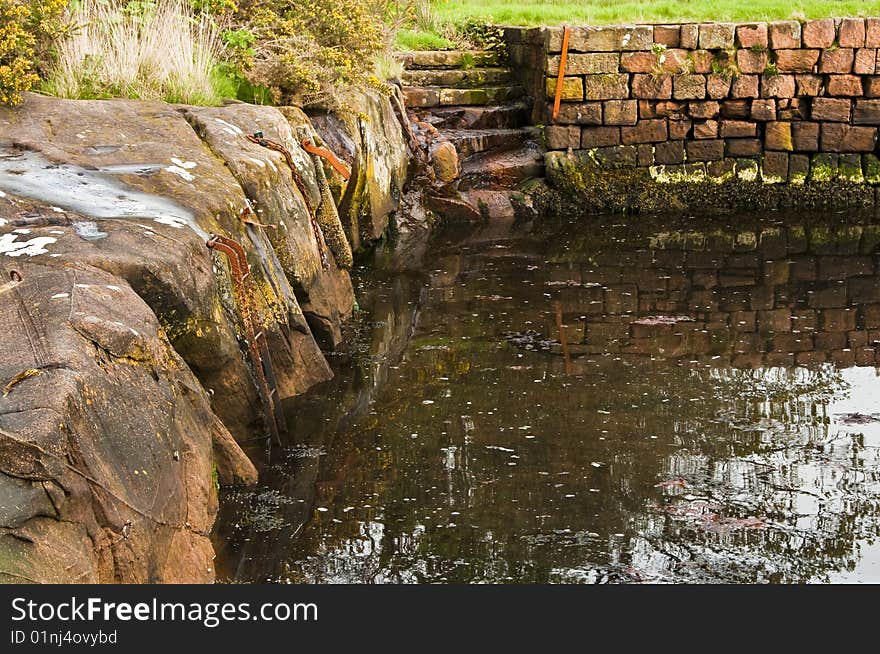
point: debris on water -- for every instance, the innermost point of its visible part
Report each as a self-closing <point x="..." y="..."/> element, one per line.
<point x="530" y="340"/>
<point x="858" y="418"/>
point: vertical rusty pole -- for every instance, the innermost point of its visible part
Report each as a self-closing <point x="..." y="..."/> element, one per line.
<point x="566" y="34"/>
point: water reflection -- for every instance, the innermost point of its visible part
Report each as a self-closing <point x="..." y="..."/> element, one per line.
<point x="718" y="420"/>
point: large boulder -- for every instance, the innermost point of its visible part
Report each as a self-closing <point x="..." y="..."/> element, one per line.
<point x="107" y="440"/>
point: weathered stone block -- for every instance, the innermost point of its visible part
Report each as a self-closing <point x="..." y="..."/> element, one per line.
<point x="597" y="137"/>
<point x="809" y="85"/>
<point x="422" y="97"/>
<point x="679" y="128"/>
<point x="671" y="108"/>
<point x="646" y="155"/>
<point x="717" y="36"/>
<point x="752" y="35"/>
<point x="871" y="86"/>
<point x="805" y="136"/>
<point x="572" y="88"/>
<point x="639" y="62"/>
<point x="774" y="167"/>
<point x="777" y="136"/>
<point x="755" y="61"/>
<point x="701" y="62"/>
<point x="621" y="112"/>
<point x="562" y="137"/>
<point x="777" y="86"/>
<point x="872" y="33"/>
<point x="871" y="169"/>
<point x="621" y="155"/>
<point x="838" y="137"/>
<point x="785" y="34"/>
<point x="793" y="109"/>
<point x="866" y="112"/>
<point x="703" y="109"/>
<point x="581" y="113"/>
<point x="851" y="33"/>
<point x="865" y="62"/>
<point x="653" y="87"/>
<point x="743" y="147"/>
<point x="745" y="86"/>
<point x="688" y="87"/>
<point x="763" y="110"/>
<point x="795" y="61"/>
<point x="669" y="152"/>
<point x="819" y="33"/>
<point x="668" y="35"/>
<point x="606" y="87"/>
<point x="798" y="168"/>
<point x="585" y="63"/>
<point x="823" y="167"/>
<point x="705" y="150"/>
<point x="707" y="129"/>
<point x="611" y="39"/>
<point x="737" y="129"/>
<point x="689" y="35"/>
<point x="718" y="86"/>
<point x="838" y="60"/>
<point x="831" y="109"/>
<point x="645" y="131"/>
<point x="845" y="85"/>
<point x="736" y="109"/>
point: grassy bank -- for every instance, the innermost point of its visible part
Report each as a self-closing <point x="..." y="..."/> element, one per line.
<point x="439" y="23"/>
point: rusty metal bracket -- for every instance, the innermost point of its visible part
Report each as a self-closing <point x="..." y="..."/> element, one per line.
<point x="259" y="139"/>
<point x="309" y="146"/>
<point x="560" y="78"/>
<point x="258" y="350"/>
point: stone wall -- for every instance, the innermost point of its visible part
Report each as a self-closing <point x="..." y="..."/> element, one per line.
<point x="782" y="102"/>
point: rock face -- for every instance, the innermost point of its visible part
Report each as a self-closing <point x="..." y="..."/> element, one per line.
<point x="372" y="143"/>
<point x="125" y="384"/>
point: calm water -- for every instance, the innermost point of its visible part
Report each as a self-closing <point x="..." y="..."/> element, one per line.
<point x="713" y="416"/>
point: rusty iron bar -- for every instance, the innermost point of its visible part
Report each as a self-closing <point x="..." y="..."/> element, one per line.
<point x="256" y="341"/>
<point x="563" y="59"/>
<point x="326" y="154"/>
<point x="259" y="139"/>
<point x="562" y="337"/>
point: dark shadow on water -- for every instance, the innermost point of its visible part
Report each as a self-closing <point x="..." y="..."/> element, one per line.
<point x="716" y="421"/>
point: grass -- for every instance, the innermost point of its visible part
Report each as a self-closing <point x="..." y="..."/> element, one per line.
<point x="164" y="53"/>
<point x="598" y="12"/>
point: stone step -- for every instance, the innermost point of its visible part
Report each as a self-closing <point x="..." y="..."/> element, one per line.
<point x="471" y="141"/>
<point x="502" y="170"/>
<point x="450" y="59"/>
<point x="458" y="78"/>
<point x="506" y="116"/>
<point x="433" y="96"/>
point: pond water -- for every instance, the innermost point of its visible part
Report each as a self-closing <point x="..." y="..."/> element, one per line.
<point x="633" y="400"/>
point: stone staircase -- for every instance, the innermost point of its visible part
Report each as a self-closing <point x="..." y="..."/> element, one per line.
<point x="473" y="101"/>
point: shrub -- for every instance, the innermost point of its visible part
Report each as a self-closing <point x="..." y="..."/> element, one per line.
<point x="304" y="50"/>
<point x="27" y="28"/>
<point x="154" y="50"/>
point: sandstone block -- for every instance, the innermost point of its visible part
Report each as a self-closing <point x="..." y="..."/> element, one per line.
<point x="753" y="35"/>
<point x="785" y="34"/>
<point x="819" y="33"/>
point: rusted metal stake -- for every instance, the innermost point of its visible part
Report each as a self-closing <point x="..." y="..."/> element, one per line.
<point x="258" y="350"/>
<point x="259" y="139"/>
<point x="563" y="59"/>
<point x="324" y="153"/>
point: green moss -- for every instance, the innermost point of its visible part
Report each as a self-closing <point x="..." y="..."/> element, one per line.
<point x="871" y="168"/>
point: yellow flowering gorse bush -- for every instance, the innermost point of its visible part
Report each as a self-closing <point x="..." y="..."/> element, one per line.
<point x="26" y="30"/>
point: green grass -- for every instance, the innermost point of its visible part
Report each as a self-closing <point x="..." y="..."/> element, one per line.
<point x="418" y="40"/>
<point x="598" y="12"/>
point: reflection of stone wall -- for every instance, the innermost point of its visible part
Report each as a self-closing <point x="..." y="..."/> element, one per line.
<point x="716" y="102"/>
<point x="782" y="296"/>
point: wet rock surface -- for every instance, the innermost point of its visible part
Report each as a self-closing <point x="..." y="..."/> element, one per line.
<point x="126" y="380"/>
